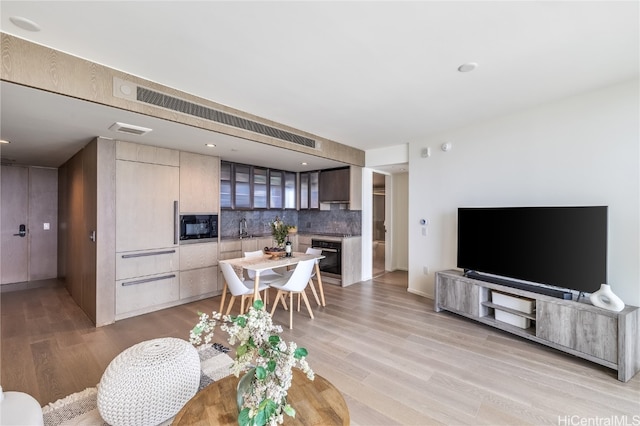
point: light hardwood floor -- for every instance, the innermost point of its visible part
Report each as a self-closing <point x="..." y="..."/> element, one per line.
<point x="396" y="361"/>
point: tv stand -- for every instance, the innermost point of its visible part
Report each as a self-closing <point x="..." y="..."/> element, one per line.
<point x="578" y="328"/>
<point x="560" y="294"/>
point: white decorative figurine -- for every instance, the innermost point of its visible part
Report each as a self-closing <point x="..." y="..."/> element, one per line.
<point x="606" y="299"/>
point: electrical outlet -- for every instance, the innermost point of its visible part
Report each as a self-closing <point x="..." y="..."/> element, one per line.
<point x="46" y="226"/>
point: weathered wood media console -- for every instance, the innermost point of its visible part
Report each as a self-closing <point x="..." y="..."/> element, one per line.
<point x="579" y="328"/>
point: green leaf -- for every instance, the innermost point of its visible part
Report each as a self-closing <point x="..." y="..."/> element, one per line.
<point x="262" y="352"/>
<point x="261" y="373"/>
<point x="243" y="417"/>
<point x="258" y="304"/>
<point x="289" y="410"/>
<point x="242" y="349"/>
<point x="271" y="366"/>
<point x="300" y="353"/>
<point x="274" y="340"/>
<point x="242" y="321"/>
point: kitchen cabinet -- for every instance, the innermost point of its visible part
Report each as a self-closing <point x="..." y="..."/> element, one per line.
<point x="244" y="186"/>
<point x="334" y="185"/>
<point x="199" y="183"/>
<point x="147" y="265"/>
<point x="145" y="197"/>
<point x="309" y="190"/>
<point x="199" y="271"/>
<point x="343" y="185"/>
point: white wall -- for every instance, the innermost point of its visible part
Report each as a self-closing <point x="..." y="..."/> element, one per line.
<point x="583" y="150"/>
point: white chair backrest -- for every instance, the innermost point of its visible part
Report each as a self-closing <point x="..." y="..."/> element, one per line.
<point x="301" y="275"/>
<point x="256" y="253"/>
<point x="315" y="252"/>
<point x="236" y="286"/>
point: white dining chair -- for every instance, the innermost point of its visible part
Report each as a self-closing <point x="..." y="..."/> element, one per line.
<point x="237" y="287"/>
<point x="294" y="284"/>
<point x="267" y="276"/>
<point x="315" y="252"/>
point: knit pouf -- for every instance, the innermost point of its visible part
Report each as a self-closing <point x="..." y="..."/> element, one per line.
<point x="149" y="383"/>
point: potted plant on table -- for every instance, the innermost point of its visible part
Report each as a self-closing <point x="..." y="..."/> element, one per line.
<point x="279" y="231"/>
<point x="266" y="359"/>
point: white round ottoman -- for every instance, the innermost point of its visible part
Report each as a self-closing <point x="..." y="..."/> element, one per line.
<point x="149" y="383"/>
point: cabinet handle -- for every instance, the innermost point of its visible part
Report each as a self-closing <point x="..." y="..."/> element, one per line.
<point x="148" y="280"/>
<point x="176" y="222"/>
<point x="151" y="253"/>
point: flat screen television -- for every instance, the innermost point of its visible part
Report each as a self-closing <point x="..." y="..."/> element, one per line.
<point x="563" y="247"/>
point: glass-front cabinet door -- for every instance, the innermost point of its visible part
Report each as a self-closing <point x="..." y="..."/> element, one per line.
<point x="225" y="185"/>
<point x="260" y="188"/>
<point x="242" y="186"/>
<point x="289" y="190"/>
<point x="304" y="191"/>
<point x="275" y="189"/>
<point x="314" y="201"/>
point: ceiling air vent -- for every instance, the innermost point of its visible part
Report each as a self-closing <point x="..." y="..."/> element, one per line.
<point x="129" y="129"/>
<point x="180" y="105"/>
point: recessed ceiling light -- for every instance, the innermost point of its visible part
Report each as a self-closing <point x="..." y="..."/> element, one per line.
<point x="210" y="145"/>
<point x="468" y="67"/>
<point x="3" y="141"/>
<point x="25" y="24"/>
<point x="304" y="163"/>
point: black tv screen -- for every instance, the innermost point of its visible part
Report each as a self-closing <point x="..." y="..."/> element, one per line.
<point x="559" y="246"/>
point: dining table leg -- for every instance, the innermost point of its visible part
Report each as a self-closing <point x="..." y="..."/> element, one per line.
<point x="320" y="284"/>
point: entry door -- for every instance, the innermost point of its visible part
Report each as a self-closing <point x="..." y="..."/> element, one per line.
<point x="14" y="207"/>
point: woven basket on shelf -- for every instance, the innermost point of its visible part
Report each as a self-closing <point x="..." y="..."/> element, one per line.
<point x="149" y="383"/>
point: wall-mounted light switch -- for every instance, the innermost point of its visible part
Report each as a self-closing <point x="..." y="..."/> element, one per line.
<point x="47" y="226"/>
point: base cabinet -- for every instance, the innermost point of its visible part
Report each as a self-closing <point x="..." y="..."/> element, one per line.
<point x="579" y="328"/>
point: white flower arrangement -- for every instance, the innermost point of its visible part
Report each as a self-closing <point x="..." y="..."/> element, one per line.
<point x="261" y="348"/>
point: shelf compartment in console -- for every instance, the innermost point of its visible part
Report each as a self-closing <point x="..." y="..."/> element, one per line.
<point x="518" y="303"/>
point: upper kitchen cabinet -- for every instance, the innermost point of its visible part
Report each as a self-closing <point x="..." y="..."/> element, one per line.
<point x="309" y="190"/>
<point x="147" y="188"/>
<point x="343" y="185"/>
<point x="244" y="186"/>
<point x="199" y="183"/>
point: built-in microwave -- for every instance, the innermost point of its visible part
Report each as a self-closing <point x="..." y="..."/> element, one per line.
<point x="198" y="226"/>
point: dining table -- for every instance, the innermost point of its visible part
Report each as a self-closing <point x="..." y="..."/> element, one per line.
<point x="268" y="261"/>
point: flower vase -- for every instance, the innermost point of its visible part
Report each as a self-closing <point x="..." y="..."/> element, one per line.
<point x="606" y="299"/>
<point x="244" y="384"/>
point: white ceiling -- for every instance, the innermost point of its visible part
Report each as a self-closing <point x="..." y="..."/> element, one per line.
<point x="364" y="74"/>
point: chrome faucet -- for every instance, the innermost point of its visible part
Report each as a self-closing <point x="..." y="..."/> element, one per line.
<point x="243" y="228"/>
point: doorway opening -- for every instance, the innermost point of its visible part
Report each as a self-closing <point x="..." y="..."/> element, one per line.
<point x="379" y="225"/>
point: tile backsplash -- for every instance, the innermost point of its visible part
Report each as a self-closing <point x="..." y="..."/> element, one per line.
<point x="334" y="221"/>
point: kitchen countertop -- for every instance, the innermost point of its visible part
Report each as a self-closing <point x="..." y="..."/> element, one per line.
<point x="313" y="234"/>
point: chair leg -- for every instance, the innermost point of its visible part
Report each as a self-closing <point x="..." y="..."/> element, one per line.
<point x="231" y="302"/>
<point x="224" y="296"/>
<point x="306" y="302"/>
<point x="313" y="290"/>
<point x="275" y="302"/>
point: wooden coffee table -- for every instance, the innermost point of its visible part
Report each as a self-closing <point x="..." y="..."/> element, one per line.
<point x="316" y="402"/>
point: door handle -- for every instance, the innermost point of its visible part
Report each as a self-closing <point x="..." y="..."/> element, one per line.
<point x="22" y="231"/>
<point x="92" y="236"/>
